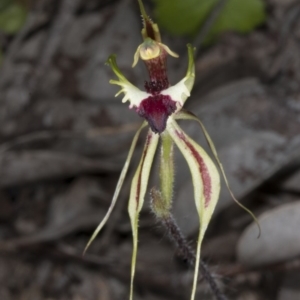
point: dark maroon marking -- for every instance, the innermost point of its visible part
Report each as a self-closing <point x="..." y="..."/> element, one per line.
<point x="156" y="110"/>
<point x="202" y="168"/>
<point x="157" y="68"/>
<point x="155" y="87"/>
<point x="148" y="24"/>
<point x="137" y="197"/>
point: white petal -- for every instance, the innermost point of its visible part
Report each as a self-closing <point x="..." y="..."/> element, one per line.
<point x="131" y="93"/>
<point x="178" y="92"/>
<point x="181" y="91"/>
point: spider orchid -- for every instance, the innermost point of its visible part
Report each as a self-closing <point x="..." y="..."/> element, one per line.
<point x="161" y="105"/>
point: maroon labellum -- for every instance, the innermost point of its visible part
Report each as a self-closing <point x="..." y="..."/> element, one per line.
<point x="156" y="109"/>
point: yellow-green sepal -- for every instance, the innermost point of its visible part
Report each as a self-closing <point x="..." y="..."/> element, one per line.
<point x="137" y="194"/>
<point x="185" y="115"/>
<point x="206" y="182"/>
<point x="118" y="187"/>
<point x="190" y="73"/>
<point x="112" y="62"/>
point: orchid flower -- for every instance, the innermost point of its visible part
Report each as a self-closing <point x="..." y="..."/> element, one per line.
<point x="161" y="106"/>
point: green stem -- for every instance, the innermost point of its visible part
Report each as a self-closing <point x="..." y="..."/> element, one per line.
<point x="166" y="171"/>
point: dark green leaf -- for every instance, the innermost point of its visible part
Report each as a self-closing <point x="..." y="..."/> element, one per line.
<point x="185" y="17"/>
<point x="12" y="18"/>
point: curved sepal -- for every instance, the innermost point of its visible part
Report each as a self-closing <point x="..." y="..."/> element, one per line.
<point x="131" y="92"/>
<point x="190" y="73"/>
<point x="137" y="194"/>
<point x="181" y="91"/>
<point x="206" y="182"/>
<point x="185" y="115"/>
<point x="118" y="187"/>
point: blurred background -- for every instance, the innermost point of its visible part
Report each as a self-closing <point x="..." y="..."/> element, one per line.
<point x="64" y="139"/>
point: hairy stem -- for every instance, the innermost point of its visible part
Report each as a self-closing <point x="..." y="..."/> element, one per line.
<point x="186" y="252"/>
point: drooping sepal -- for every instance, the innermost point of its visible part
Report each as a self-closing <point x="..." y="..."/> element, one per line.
<point x="181" y="91"/>
<point x="131" y="92"/>
<point x="137" y="194"/>
<point x="118" y="187"/>
<point x="206" y="182"/>
<point x="186" y="115"/>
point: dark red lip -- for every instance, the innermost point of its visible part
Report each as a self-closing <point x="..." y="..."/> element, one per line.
<point x="156" y="110"/>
